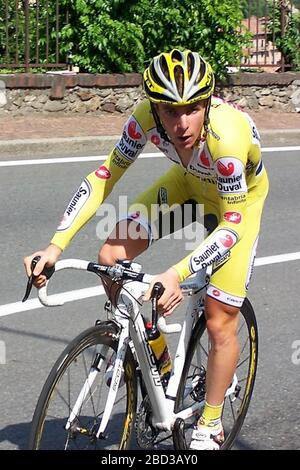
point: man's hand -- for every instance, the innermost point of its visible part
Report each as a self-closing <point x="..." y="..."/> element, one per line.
<point x="49" y="256"/>
<point x="172" y="295"/>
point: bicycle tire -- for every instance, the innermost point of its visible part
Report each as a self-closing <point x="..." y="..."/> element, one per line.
<point x="246" y="383"/>
<point x="49" y="432"/>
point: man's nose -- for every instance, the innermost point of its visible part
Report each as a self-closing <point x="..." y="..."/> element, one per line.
<point x="183" y="122"/>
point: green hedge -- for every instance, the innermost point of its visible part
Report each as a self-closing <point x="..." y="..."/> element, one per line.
<point x="122" y="35"/>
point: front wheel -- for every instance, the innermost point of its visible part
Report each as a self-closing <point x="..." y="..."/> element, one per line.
<point x="70" y="408"/>
<point x="238" y="396"/>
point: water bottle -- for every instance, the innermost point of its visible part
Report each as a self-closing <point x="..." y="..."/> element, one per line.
<point x="160" y="349"/>
<point x="157" y="340"/>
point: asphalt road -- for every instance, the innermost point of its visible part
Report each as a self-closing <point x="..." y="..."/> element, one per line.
<point x="32" y="201"/>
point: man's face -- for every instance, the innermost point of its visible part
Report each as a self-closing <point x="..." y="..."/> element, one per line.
<point x="183" y="124"/>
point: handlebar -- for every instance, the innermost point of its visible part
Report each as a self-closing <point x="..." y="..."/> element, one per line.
<point x="117" y="272"/>
<point x="121" y="271"/>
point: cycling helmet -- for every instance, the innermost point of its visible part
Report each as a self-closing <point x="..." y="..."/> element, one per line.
<point x="162" y="85"/>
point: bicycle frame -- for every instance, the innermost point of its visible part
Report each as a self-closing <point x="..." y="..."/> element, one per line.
<point x="132" y="328"/>
<point x="132" y="333"/>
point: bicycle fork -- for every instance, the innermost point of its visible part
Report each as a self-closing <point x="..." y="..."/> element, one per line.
<point x="115" y="380"/>
<point x="100" y="360"/>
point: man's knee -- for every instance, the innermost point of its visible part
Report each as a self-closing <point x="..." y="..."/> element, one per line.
<point x="107" y="255"/>
<point x="221" y="321"/>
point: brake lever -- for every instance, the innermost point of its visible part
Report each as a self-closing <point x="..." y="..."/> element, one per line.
<point x="46" y="271"/>
<point x="157" y="292"/>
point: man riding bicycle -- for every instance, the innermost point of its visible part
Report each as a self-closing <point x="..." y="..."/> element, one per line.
<point x="217" y="156"/>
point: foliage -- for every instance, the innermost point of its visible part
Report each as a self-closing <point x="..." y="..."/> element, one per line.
<point x="41" y="20"/>
<point x="122" y="35"/>
<point x="254" y="8"/>
<point x="288" y="42"/>
<point x="262" y="7"/>
<point x="207" y="26"/>
<point x="102" y="39"/>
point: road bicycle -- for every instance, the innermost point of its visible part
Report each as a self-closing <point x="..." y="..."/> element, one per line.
<point x="79" y="408"/>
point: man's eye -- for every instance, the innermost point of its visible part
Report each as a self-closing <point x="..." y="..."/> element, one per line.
<point x="171" y="112"/>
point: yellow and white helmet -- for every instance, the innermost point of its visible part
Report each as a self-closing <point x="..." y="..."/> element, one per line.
<point x="161" y="84"/>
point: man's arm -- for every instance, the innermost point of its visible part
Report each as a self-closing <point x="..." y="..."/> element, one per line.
<point x="97" y="185"/>
<point x="232" y="199"/>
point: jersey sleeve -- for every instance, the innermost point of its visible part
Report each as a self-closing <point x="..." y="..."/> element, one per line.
<point x="230" y="157"/>
<point x="97" y="185"/>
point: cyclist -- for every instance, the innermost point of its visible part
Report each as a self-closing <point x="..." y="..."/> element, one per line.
<point x="217" y="162"/>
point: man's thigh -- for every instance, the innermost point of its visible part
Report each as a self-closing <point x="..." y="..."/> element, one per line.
<point x="232" y="273"/>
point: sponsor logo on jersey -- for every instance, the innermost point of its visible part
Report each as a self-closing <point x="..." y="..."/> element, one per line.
<point x="231" y="178"/>
<point x="223" y="240"/>
<point x="103" y="173"/>
<point x="234" y="184"/>
<point x="201" y="171"/>
<point x="255" y="133"/>
<point x="204" y="160"/>
<point x="119" y="160"/>
<point x="155" y="139"/>
<point x="227" y="241"/>
<point x="233" y="217"/>
<point x="223" y="259"/>
<point x="249" y="167"/>
<point x="132" y="140"/>
<point x="225" y="297"/>
<point x="132" y="131"/>
<point x="210" y="253"/>
<point x="230" y="199"/>
<point x="225" y="169"/>
<point x="76" y="203"/>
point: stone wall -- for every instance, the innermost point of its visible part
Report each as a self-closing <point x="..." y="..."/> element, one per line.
<point x="277" y="91"/>
<point x="109" y="93"/>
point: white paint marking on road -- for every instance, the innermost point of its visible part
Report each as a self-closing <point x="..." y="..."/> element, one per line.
<point x="280" y="149"/>
<point x="277" y="259"/>
<point x="88" y="292"/>
<point x="90" y="158"/>
<point x="99" y="158"/>
<point x="33" y="304"/>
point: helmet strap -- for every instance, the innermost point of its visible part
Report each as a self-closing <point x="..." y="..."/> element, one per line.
<point x="159" y="126"/>
<point x="208" y="129"/>
<point x="206" y="115"/>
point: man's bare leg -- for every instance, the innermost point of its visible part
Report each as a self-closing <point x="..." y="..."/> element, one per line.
<point x="120" y="246"/>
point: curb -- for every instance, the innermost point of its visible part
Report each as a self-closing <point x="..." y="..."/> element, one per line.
<point x="27" y="148"/>
<point x="287" y="137"/>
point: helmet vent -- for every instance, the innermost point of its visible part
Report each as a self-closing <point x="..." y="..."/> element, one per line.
<point x="164" y="67"/>
<point x="156" y="77"/>
<point x="178" y="74"/>
<point x="201" y="72"/>
<point x="190" y="64"/>
<point x="176" y="56"/>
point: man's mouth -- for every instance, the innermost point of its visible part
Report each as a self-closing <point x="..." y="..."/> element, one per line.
<point x="184" y="138"/>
